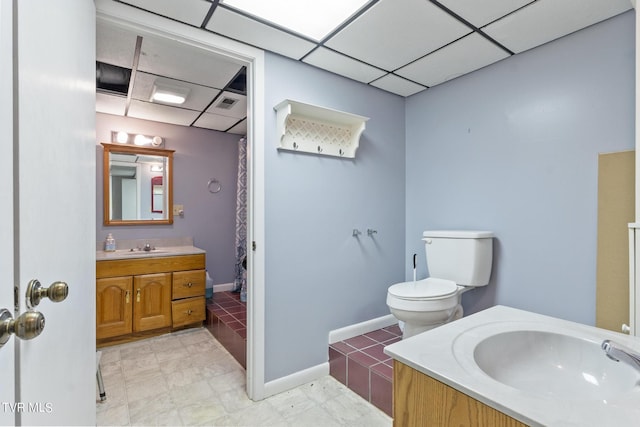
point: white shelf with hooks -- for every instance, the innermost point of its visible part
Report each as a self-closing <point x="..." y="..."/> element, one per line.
<point x="311" y="129"/>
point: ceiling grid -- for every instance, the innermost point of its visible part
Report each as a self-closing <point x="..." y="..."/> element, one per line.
<point x="401" y="46"/>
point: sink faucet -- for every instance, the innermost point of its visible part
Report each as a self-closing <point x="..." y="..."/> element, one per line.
<point x="621" y="353"/>
<point x="147" y="247"/>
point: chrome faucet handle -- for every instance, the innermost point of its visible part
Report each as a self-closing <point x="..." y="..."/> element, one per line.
<point x="620" y="353"/>
<point x="147" y="247"/>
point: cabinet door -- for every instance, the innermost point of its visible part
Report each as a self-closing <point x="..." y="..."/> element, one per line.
<point x="189" y="283"/>
<point x="152" y="306"/>
<point x="113" y="306"/>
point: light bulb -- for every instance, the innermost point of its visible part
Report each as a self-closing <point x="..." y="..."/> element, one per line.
<point x="122" y="137"/>
<point x="141" y="140"/>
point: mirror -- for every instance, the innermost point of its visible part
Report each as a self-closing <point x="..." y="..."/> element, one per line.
<point x="137" y="185"/>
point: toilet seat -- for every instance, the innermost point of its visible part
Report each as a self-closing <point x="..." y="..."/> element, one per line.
<point x="430" y="288"/>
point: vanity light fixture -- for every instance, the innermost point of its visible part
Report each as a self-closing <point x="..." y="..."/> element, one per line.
<point x="156" y="168"/>
<point x="139" y="139"/>
<point x="167" y="93"/>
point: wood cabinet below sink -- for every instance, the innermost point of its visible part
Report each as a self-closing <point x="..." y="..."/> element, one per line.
<point x="137" y="298"/>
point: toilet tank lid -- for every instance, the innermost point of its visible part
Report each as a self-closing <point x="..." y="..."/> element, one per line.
<point x="458" y="234"/>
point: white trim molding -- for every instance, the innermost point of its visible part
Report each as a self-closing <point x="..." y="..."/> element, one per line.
<point x="361" y="328"/>
<point x="296" y="379"/>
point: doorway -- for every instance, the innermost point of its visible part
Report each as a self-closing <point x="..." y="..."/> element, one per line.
<point x="144" y="23"/>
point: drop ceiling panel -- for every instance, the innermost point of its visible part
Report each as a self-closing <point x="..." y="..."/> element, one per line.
<point x="215" y="122"/>
<point x="463" y="56"/>
<point x="394" y="32"/>
<point x="547" y="20"/>
<point x="233" y="25"/>
<point x="115" y="46"/>
<point x="240" y="128"/>
<point x="161" y="113"/>
<point x="343" y="65"/>
<point x="480" y="13"/>
<point x="188" y="63"/>
<point x="398" y="85"/>
<point x="191" y="12"/>
<point x="110" y="104"/>
<point x="237" y="110"/>
<point x="197" y="99"/>
<point x="311" y="19"/>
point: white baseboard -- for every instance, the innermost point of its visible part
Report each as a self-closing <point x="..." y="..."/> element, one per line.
<point x="361" y="328"/>
<point x="315" y="372"/>
<point x="223" y="287"/>
<point x="296" y="379"/>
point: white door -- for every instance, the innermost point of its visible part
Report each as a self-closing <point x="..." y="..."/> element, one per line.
<point x="47" y="220"/>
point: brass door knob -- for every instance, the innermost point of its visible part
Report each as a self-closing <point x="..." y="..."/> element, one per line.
<point x="57" y="292"/>
<point x="27" y="326"/>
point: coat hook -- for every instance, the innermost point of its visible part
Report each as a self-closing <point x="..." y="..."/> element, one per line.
<point x="371" y="232"/>
<point x="356" y="232"/>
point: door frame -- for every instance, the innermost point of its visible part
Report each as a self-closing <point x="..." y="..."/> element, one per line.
<point x="7" y="80"/>
<point x="253" y="58"/>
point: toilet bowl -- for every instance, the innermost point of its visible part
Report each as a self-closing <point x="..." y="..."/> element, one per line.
<point x="459" y="261"/>
<point x="424" y="304"/>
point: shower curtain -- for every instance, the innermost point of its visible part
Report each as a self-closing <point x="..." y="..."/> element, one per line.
<point x="241" y="215"/>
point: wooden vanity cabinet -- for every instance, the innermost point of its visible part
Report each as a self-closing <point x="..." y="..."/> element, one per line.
<point x="139" y="297"/>
<point x="419" y="400"/>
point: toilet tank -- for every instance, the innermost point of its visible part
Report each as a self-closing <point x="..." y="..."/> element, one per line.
<point x="462" y="256"/>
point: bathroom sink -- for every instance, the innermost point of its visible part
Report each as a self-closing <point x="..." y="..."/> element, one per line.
<point x="554" y="365"/>
<point x="126" y="252"/>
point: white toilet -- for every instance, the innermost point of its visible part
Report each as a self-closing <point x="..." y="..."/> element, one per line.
<point x="457" y="261"/>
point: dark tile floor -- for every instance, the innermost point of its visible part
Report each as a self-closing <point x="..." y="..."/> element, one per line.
<point x="358" y="362"/>
<point x="227" y="321"/>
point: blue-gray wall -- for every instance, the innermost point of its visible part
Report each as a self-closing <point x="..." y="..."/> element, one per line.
<point x="200" y="154"/>
<point x="513" y="148"/>
<point x="319" y="277"/>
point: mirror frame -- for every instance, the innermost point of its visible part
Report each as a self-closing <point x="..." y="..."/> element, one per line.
<point x="106" y="182"/>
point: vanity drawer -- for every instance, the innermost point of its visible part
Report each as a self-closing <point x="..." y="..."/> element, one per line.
<point x="188" y="311"/>
<point x="188" y="283"/>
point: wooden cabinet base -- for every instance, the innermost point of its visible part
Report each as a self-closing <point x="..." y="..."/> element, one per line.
<point x="419" y="400"/>
<point x="145" y="297"/>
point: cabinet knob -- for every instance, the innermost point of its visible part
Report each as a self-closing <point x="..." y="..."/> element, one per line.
<point x="189" y="312"/>
<point x="126" y="297"/>
<point x="188" y="285"/>
<point x="138" y="295"/>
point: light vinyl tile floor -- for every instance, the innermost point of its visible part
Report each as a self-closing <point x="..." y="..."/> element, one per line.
<point x="188" y="378"/>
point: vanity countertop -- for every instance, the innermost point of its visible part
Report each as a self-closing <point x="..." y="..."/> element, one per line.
<point x="156" y="252"/>
<point x="446" y="354"/>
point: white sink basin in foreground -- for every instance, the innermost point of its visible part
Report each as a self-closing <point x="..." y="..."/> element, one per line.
<point x="554" y="365"/>
<point x="537" y="369"/>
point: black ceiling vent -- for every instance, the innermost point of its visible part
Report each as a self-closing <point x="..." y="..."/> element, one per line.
<point x="239" y="82"/>
<point x="112" y="79"/>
